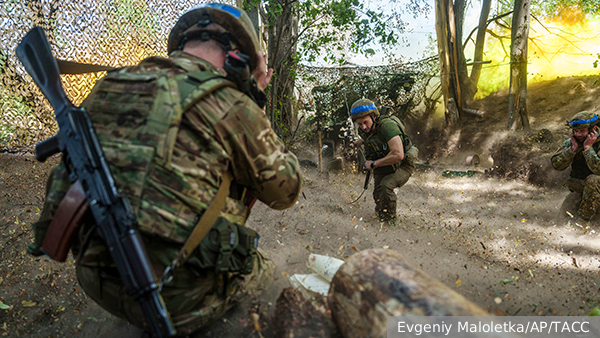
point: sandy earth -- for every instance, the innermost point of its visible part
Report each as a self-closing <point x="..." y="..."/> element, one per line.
<point x="501" y="243"/>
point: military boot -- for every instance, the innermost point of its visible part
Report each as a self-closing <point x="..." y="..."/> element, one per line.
<point x="388" y="215"/>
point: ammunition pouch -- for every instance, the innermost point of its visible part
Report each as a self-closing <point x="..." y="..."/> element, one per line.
<point x="228" y="247"/>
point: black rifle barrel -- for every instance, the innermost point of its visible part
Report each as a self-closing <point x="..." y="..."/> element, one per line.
<point x="113" y="214"/>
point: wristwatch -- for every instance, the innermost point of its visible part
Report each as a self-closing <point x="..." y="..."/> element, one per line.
<point x="372" y="164"/>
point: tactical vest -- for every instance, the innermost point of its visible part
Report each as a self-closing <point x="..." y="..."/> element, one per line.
<point x="136" y="112"/>
<point x="376" y="147"/>
<point x="579" y="167"/>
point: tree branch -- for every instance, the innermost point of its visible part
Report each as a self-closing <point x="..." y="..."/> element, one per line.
<point x="560" y="36"/>
<point x="506" y="54"/>
<point x="486" y="25"/>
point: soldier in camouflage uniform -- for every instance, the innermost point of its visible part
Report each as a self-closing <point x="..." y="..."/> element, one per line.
<point x="580" y="152"/>
<point x="170" y="129"/>
<point x="389" y="153"/>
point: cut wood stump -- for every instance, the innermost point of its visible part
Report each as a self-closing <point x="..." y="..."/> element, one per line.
<point x="374" y="284"/>
<point x="296" y="317"/>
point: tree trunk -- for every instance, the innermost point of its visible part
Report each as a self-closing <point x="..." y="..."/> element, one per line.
<point x="462" y="77"/>
<point x="471" y="89"/>
<point x="449" y="59"/>
<point x="454" y="61"/>
<point x="517" y="93"/>
<point x="374" y="284"/>
<point x="282" y="50"/>
<point x="254" y="13"/>
<point x="441" y="27"/>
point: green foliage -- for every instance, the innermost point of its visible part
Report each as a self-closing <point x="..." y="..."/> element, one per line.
<point x="333" y="28"/>
<point x="280" y="127"/>
<point x="326" y="29"/>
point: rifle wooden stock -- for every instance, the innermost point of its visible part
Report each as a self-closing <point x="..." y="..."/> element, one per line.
<point x="66" y="221"/>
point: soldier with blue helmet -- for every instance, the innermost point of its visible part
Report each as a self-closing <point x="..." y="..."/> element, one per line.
<point x="580" y="153"/>
<point x="175" y="131"/>
<point x="389" y="153"/>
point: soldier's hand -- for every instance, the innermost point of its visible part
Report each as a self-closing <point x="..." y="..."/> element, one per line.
<point x="574" y="143"/>
<point x="590" y="139"/>
<point x="262" y="76"/>
<point x="358" y="143"/>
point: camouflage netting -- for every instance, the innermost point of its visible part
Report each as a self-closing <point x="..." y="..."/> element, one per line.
<point x="400" y="86"/>
<point x="112" y="33"/>
<point x="122" y="32"/>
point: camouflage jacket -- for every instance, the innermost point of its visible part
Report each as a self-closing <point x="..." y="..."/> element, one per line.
<point x="170" y="168"/>
<point x="582" y="162"/>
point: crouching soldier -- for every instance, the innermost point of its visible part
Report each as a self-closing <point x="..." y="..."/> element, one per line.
<point x="186" y="141"/>
<point x="580" y="152"/>
<point x="389" y="154"/>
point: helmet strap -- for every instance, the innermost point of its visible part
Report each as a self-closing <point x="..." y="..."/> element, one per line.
<point x="222" y="38"/>
<point x="373" y="119"/>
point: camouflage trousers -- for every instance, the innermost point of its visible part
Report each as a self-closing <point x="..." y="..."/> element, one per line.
<point x="383" y="194"/>
<point x="193" y="301"/>
<point x="584" y="198"/>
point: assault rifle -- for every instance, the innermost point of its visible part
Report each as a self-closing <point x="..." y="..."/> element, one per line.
<point x="354" y="138"/>
<point x="368" y="174"/>
<point x="114" y="216"/>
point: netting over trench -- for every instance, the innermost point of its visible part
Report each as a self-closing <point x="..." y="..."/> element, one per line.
<point x="109" y="32"/>
<point x="330" y="92"/>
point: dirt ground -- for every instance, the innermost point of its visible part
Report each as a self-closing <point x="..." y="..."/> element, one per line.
<point x="499" y="242"/>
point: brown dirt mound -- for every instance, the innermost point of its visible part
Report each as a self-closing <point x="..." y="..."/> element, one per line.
<point x="526" y="156"/>
<point x="549" y="105"/>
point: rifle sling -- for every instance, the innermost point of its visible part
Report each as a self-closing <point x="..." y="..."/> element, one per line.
<point x="206" y="221"/>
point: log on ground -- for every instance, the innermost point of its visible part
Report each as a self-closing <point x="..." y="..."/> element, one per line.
<point x="376" y="283"/>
